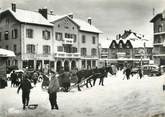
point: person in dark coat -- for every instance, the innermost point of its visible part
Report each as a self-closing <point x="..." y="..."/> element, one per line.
<point x="35" y="77"/>
<point x="13" y="79"/>
<point x="128" y="72"/>
<point x="25" y="85"/>
<point x="52" y="90"/>
<point x="140" y="73"/>
<point x="66" y="81"/>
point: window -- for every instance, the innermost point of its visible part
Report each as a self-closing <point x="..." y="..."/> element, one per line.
<point x="60" y="48"/>
<point x="160" y="28"/>
<point x="83" y="64"/>
<point x="6" y="35"/>
<point x="120" y="45"/>
<point x="94" y="40"/>
<point x="67" y="35"/>
<point x="83" y="39"/>
<point x="30" y="48"/>
<point x="83" y="51"/>
<point x="46" y="49"/>
<point x="14" y="33"/>
<point x="93" y="52"/>
<point x="29" y="33"/>
<point x="7" y="21"/>
<point x="113" y="45"/>
<point x="74" y="37"/>
<point x="46" y="35"/>
<point x="94" y="63"/>
<point x="128" y="53"/>
<point x="74" y="49"/>
<point x="58" y="36"/>
<point x="0" y="36"/>
<point x="7" y="47"/>
<point x="15" y="48"/>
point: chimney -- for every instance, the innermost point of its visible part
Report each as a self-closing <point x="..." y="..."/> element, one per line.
<point x="70" y="15"/>
<point x="163" y="14"/>
<point x="90" y="20"/>
<point x="44" y="12"/>
<point x="51" y="12"/>
<point x="13" y="7"/>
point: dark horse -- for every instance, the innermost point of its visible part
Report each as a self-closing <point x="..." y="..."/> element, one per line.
<point x="92" y="75"/>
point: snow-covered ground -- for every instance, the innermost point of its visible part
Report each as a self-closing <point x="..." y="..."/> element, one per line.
<point x="118" y="98"/>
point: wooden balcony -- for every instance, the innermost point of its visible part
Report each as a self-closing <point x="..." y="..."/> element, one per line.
<point x="68" y="41"/>
<point x="66" y="55"/>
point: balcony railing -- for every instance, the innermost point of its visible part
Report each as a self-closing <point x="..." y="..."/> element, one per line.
<point x="66" y="55"/>
<point x="159" y="33"/>
<point x="68" y="41"/>
<point x="158" y="44"/>
<point x="121" y="54"/>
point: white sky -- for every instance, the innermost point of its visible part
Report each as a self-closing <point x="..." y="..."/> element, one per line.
<point x="110" y="16"/>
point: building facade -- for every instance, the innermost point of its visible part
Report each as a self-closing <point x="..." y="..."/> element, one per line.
<point x="159" y="38"/>
<point x="131" y="49"/>
<point x="42" y="40"/>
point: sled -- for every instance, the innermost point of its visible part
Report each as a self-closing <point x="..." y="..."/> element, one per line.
<point x="80" y="83"/>
<point x="32" y="106"/>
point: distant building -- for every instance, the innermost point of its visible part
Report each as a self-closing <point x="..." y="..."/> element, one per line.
<point x="131" y="48"/>
<point x="40" y="39"/>
<point x="159" y="38"/>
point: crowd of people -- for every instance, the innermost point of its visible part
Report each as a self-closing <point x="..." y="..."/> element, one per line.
<point x="61" y="81"/>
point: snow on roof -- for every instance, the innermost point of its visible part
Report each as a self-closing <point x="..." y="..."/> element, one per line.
<point x="84" y="26"/>
<point x="52" y="18"/>
<point x="31" y="17"/>
<point x="6" y="53"/>
<point x="138" y="41"/>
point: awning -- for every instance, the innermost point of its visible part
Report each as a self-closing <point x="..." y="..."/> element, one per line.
<point x="6" y="53"/>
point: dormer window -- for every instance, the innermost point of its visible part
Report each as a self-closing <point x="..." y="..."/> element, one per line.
<point x="160" y="28"/>
<point x="120" y="45"/>
<point x="113" y="45"/>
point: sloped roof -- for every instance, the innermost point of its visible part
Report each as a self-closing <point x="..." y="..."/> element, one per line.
<point x="6" y="53"/>
<point x="84" y="26"/>
<point x="30" y="17"/>
<point x="52" y="18"/>
<point x="155" y="17"/>
<point x="136" y="40"/>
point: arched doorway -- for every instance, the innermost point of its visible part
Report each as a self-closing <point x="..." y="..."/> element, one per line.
<point x="58" y="65"/>
<point x="73" y="64"/>
<point x="66" y="65"/>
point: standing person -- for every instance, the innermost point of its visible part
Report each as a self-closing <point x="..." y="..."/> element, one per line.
<point x="140" y="73"/>
<point x="52" y="90"/>
<point x="127" y="73"/>
<point x="114" y="69"/>
<point x="35" y="78"/>
<point x="25" y="85"/>
<point x="13" y="79"/>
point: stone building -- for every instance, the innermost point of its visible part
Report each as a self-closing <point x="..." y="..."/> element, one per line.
<point x="130" y="48"/>
<point x="41" y="39"/>
<point x="159" y="38"/>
